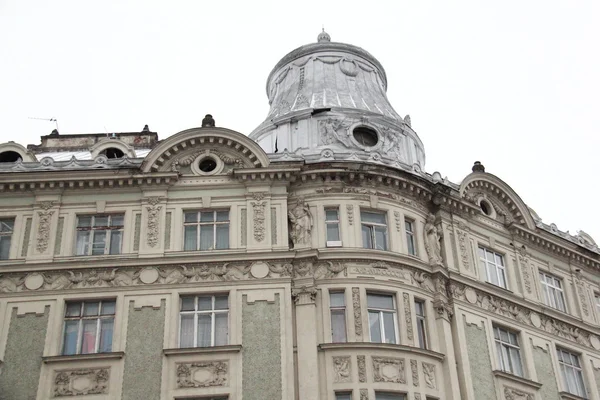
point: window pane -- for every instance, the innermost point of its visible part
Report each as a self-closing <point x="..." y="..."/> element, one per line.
<point x="374" y="326"/>
<point x="84" y="222"/>
<point x="388" y="396"/>
<point x="116" y="220"/>
<point x="388" y="326"/>
<point x="380" y="301"/>
<point x="186" y="335"/>
<point x="204" y="303"/>
<point x="410" y="241"/>
<point x="498" y="260"/>
<point x="221" y="331"/>
<point x="207" y="216"/>
<point x="421" y="333"/>
<point x="108" y="308"/>
<point x="190" y="237"/>
<point x="580" y="385"/>
<point x="380" y="238"/>
<point x="101" y="220"/>
<point x="106" y="334"/>
<point x="99" y="243"/>
<point x="492" y="275"/>
<point x="336" y="299"/>
<point x="222" y="236"/>
<point x="338" y="326"/>
<point x="206" y="237"/>
<point x="560" y="300"/>
<point x="333" y="233"/>
<point x="221" y="303"/>
<point x="191" y="217"/>
<point x="204" y="334"/>
<point x="70" y="337"/>
<point x="7" y="225"/>
<point x="331" y="215"/>
<point x="88" y="341"/>
<point x="115" y="242"/>
<point x="515" y="360"/>
<point x="366" y="237"/>
<point x="187" y="303"/>
<point x="420" y="308"/>
<point x="343" y="396"/>
<point x="4" y="247"/>
<point x="73" y="310"/>
<point x="83" y="239"/>
<point x="501" y="277"/>
<point x="373" y="217"/>
<point x="91" y="308"/>
<point x="222" y="216"/>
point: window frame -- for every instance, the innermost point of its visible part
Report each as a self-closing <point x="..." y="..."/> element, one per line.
<point x="333" y="243"/>
<point x="381" y="311"/>
<point x="597" y="299"/>
<point x="6" y="235"/>
<point x="484" y="264"/>
<point x="562" y="365"/>
<point x="372" y="226"/>
<point x="342" y="393"/>
<point x="506" y="363"/>
<point x="341" y="310"/>
<point x="81" y="317"/>
<point x="410" y="236"/>
<point x="549" y="288"/>
<point x="198" y="224"/>
<point x="421" y="322"/>
<point x="196" y="312"/>
<point x="92" y="229"/>
<point x="397" y="395"/>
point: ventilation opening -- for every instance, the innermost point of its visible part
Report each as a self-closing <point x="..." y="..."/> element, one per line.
<point x="486" y="207"/>
<point x="10" y="156"/>
<point x="365" y="136"/>
<point x="207" y="165"/>
<point x="113" y="153"/>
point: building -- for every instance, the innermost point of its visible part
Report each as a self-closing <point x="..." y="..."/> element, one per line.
<point x="313" y="259"/>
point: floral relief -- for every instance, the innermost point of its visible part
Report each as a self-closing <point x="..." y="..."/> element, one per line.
<point x="342" y="369"/>
<point x="202" y="374"/>
<point x="357" y="313"/>
<point x="153" y="221"/>
<point x="45" y="219"/>
<point x="388" y="370"/>
<point x="362" y="368"/>
<point x="81" y="382"/>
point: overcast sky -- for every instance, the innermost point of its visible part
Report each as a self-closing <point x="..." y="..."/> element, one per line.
<point x="513" y="84"/>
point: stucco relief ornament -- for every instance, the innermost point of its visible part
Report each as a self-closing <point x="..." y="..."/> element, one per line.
<point x="389" y="370"/>
<point x="258" y="209"/>
<point x="341" y="366"/>
<point x="408" y="317"/>
<point x="45" y="218"/>
<point x="429" y="373"/>
<point x="153" y="221"/>
<point x="202" y="374"/>
<point x="301" y="220"/>
<point x="362" y="368"/>
<point x="304" y="294"/>
<point x="364" y="394"/>
<point x="581" y="293"/>
<point x="81" y="382"/>
<point x="516" y="394"/>
<point x="432" y="241"/>
<point x="329" y="132"/>
<point x="357" y="313"/>
<point x="415" y="372"/>
<point x="350" y="212"/>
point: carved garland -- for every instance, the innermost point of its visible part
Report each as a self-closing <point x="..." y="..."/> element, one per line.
<point x="81" y="382"/>
<point x="389" y="370"/>
<point x="357" y="313"/>
<point x="202" y="374"/>
<point x="408" y="317"/>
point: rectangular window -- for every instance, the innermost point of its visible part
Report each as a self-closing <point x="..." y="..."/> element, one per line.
<point x="343" y="396"/>
<point x="99" y="234"/>
<point x="332" y="226"/>
<point x="597" y="296"/>
<point x="88" y="327"/>
<point x="374" y="230"/>
<point x="410" y="237"/>
<point x="7" y="226"/>
<point x="338" y="316"/>
<point x="570" y="369"/>
<point x="493" y="266"/>
<point x="552" y="291"/>
<point x="206" y="230"/>
<point x="203" y="321"/>
<point x="421" y="323"/>
<point x="382" y="317"/>
<point x="509" y="352"/>
<point x="389" y="396"/>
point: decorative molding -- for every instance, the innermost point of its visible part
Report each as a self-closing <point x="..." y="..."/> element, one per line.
<point x="350" y="212"/>
<point x="342" y="368"/>
<point x="115" y="355"/>
<point x="304" y="295"/>
<point x="417" y="396"/>
<point x="432" y="236"/>
<point x="301" y="221"/>
<point x="397" y="219"/>
<point x="526" y="273"/>
<point x="81" y="382"/>
<point x="464" y="248"/>
<point x="429" y="374"/>
<point x="511" y="393"/>
<point x="408" y="316"/>
<point x="517" y="379"/>
<point x="362" y="368"/>
<point x="357" y="313"/>
<point x="153" y="224"/>
<point x="387" y="369"/>
<point x="258" y="216"/>
<point x="273" y="225"/>
<point x="244" y="226"/>
<point x="364" y="394"/>
<point x="202" y="374"/>
<point x="415" y="372"/>
<point x="44" y="224"/>
<point x="582" y="297"/>
<point x="388" y="348"/>
<point x="178" y="351"/>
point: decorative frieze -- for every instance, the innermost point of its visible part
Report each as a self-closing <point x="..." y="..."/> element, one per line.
<point x="258" y="215"/>
<point x="463" y="244"/>
<point x="408" y="316"/>
<point x="387" y="369"/>
<point x="429" y="374"/>
<point x="342" y="369"/>
<point x="81" y="382"/>
<point x="516" y="394"/>
<point x="153" y="224"/>
<point x="582" y="297"/>
<point x="357" y="313"/>
<point x="415" y="372"/>
<point x="44" y="225"/>
<point x="362" y="368"/>
<point x="202" y="374"/>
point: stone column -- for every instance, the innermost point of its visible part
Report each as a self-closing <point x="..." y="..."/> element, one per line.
<point x="305" y="293"/>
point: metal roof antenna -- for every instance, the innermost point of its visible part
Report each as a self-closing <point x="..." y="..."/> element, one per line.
<point x="47" y="119"/>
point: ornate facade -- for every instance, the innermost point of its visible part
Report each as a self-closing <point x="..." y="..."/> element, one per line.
<point x="313" y="259"/>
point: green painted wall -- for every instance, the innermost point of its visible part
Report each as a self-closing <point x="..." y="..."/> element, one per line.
<point x="545" y="374"/>
<point x="481" y="365"/>
<point x="261" y="352"/>
<point x="23" y="356"/>
<point x="143" y="353"/>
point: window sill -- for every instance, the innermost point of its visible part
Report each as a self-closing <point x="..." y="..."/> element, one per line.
<point x="232" y="348"/>
<point x="516" y="378"/>
<point x="499" y="287"/>
<point x="84" y="357"/>
<point x="382" y="346"/>
<point x="570" y="396"/>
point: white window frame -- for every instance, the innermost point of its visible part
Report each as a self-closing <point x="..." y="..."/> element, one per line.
<point x="98" y="318"/>
<point x="398" y="396"/>
<point x="410" y="236"/>
<point x="597" y="298"/>
<point x="569" y="361"/>
<point x="214" y="223"/>
<point x="381" y="311"/>
<point x="340" y="393"/>
<point x="372" y="226"/>
<point x="333" y="243"/>
<point x="7" y="228"/>
<point x="552" y="291"/>
<point x="503" y="349"/>
<point x="93" y="229"/>
<point x="421" y="320"/>
<point x="499" y="269"/>
<point x="340" y="310"/>
<point x="213" y="312"/>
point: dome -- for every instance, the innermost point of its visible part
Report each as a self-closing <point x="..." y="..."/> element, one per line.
<point x="328" y="100"/>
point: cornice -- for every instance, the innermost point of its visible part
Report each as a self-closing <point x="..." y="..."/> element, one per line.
<point x="381" y="346"/>
<point x="232" y="348"/>
<point x="115" y="355"/>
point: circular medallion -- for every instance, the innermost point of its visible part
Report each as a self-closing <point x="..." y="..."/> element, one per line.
<point x="471" y="295"/>
<point x="148" y="275"/>
<point x="259" y="269"/>
<point x="595" y="342"/>
<point x="34" y="281"/>
<point x="535" y="320"/>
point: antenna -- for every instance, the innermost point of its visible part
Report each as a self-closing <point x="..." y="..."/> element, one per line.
<point x="47" y="119"/>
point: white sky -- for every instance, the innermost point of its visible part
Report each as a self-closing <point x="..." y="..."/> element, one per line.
<point x="514" y="84"/>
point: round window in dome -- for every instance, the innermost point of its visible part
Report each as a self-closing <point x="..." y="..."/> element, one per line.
<point x="365" y="136"/>
<point x="207" y="165"/>
<point x="486" y="207"/>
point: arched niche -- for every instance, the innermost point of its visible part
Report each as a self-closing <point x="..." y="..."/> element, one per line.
<point x="13" y="152"/>
<point x="112" y="148"/>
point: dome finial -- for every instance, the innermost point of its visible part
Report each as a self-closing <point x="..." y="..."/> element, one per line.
<point x="323" y="36"/>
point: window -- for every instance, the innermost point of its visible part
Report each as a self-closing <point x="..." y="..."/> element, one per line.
<point x="343" y="396"/>
<point x="389" y="396"/>
<point x="552" y="291"/>
<point x="597" y="296"/>
<point x="493" y="265"/>
<point x="382" y="317"/>
<point x="410" y="237"/>
<point x="338" y="317"/>
<point x="509" y="352"/>
<point x="374" y="230"/>
<point x="421" y="323"/>
<point x="203" y="321"/>
<point x="6" y="230"/>
<point x="99" y="234"/>
<point x="88" y="327"/>
<point x="570" y="369"/>
<point x="332" y="226"/>
<point x="206" y="230"/>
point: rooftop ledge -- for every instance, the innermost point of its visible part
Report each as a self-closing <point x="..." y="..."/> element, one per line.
<point x="115" y="355"/>
<point x="382" y="346"/>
